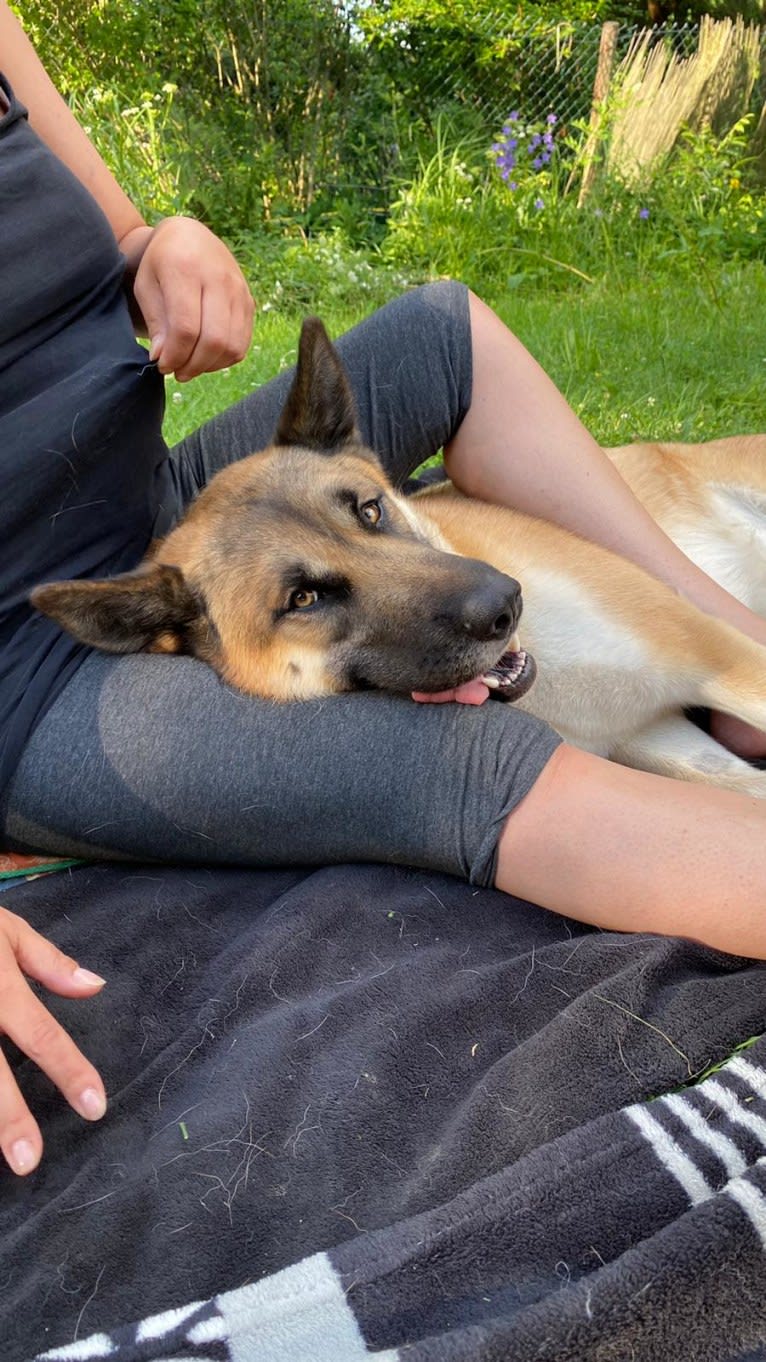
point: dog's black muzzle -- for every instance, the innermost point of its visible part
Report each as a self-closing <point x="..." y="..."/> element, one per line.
<point x="454" y="626"/>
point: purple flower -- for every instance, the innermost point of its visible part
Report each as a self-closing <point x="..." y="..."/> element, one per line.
<point x="643" y="213"/>
<point x="545" y="158"/>
<point x="539" y="204"/>
<point x="513" y="185"/>
<point x="513" y="117"/>
<point x="505" y="159"/>
<point x="537" y="163"/>
<point x="547" y="139"/>
<point x="551" y="119"/>
<point x="512" y="143"/>
<point x="535" y="141"/>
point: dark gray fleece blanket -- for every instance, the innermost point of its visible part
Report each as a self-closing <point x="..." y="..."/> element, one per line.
<point x="364" y="1111"/>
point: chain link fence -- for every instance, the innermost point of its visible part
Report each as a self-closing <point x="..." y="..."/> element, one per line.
<point x="473" y="77"/>
<point x="539" y="70"/>
<point x="399" y="86"/>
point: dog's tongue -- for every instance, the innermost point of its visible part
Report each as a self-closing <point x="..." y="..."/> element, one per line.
<point x="473" y="692"/>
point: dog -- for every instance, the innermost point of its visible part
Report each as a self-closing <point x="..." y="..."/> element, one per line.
<point x="300" y="572"/>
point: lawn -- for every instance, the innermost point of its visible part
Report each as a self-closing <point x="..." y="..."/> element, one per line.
<point x="657" y="358"/>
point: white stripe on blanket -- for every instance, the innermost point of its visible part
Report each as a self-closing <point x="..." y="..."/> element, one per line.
<point x="296" y="1314"/>
<point x="724" y="1148"/>
<point x="751" y="1073"/>
<point x="729" y="1102"/>
<point x="671" y="1155"/>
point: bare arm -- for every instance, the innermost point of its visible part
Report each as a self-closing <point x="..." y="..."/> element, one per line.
<point x="522" y="445"/>
<point x="186" y="290"/>
<point x="51" y="118"/>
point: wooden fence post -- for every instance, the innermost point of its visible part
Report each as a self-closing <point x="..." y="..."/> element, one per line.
<point x="606" y="53"/>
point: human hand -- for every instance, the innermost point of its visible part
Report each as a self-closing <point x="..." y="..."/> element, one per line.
<point x="190" y="296"/>
<point x="25" y="1021"/>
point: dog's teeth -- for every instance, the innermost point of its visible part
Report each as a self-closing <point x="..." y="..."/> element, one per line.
<point x="514" y="646"/>
<point x="492" y="681"/>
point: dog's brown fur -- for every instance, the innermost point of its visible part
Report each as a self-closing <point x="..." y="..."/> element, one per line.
<point x="394" y="611"/>
<point x="300" y="572"/>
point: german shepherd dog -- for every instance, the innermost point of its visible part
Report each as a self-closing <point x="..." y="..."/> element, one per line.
<point x="300" y="572"/>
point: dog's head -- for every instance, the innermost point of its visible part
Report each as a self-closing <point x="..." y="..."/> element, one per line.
<point x="300" y="572"/>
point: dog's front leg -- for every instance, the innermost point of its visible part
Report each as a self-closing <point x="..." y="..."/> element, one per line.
<point x="674" y="746"/>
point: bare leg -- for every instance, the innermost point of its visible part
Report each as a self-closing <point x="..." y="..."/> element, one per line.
<point x="634" y="852"/>
<point x="522" y="445"/>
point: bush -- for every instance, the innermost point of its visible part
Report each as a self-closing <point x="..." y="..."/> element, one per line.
<point x="507" y="216"/>
<point x="316" y="274"/>
<point x="139" y="138"/>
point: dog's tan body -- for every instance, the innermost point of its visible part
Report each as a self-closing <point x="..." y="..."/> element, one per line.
<point x="300" y="572"/>
<point x="619" y="655"/>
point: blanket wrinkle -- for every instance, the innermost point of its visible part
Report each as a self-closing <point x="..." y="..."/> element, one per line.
<point x="352" y="1112"/>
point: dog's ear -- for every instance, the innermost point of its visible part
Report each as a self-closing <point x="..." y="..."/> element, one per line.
<point x="149" y="610"/>
<point x="319" y="412"/>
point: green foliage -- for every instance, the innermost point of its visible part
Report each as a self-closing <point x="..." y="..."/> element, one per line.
<point x="703" y="204"/>
<point x="274" y="101"/>
<point x="458" y="216"/>
<point x="480" y="57"/>
<point x="318" y="273"/>
<point x="140" y="142"/>
<point x="306" y="116"/>
<point x="344" y="148"/>
<point x="448" y="219"/>
<point x="507" y="217"/>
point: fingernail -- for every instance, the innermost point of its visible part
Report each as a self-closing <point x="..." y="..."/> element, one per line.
<point x="92" y="1104"/>
<point x="86" y="976"/>
<point x="23" y="1156"/>
<point x="155" y="347"/>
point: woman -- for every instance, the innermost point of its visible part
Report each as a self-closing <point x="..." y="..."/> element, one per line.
<point x="150" y="756"/>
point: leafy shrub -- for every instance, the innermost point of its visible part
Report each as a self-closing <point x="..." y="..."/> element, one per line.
<point x="705" y="198"/>
<point x="507" y="216"/>
<point x="316" y="274"/>
<point x="139" y="138"/>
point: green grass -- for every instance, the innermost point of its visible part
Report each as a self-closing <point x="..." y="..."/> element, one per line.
<point x="659" y="360"/>
<point x="663" y="358"/>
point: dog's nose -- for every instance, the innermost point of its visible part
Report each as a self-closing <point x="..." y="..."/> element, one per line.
<point x="492" y="611"/>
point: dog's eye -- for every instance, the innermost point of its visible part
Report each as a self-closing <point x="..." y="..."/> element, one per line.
<point x="303" y="599"/>
<point x="371" y="512"/>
